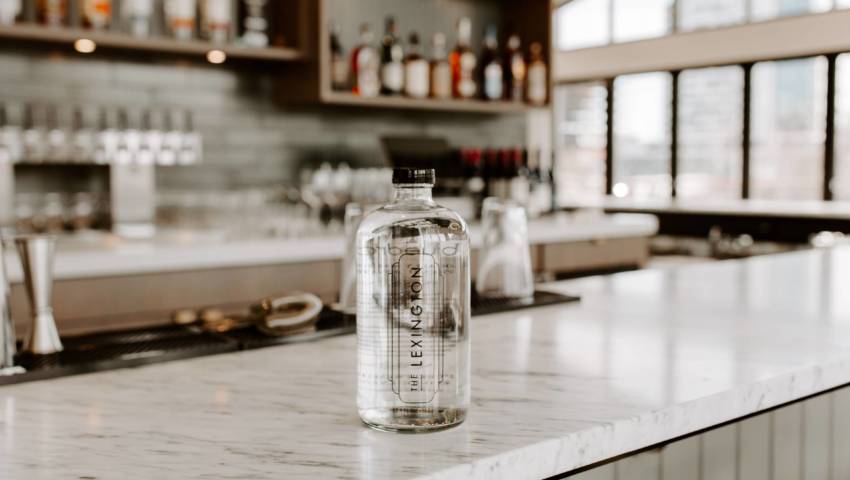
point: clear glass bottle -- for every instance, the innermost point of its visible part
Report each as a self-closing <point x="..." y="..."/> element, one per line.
<point x="413" y="311"/>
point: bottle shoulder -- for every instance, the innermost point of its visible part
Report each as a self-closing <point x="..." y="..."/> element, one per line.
<point x="399" y="215"/>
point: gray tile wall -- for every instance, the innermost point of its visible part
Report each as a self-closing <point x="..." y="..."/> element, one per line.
<point x="249" y="139"/>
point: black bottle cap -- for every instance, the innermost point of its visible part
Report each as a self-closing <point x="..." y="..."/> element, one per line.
<point x="413" y="176"/>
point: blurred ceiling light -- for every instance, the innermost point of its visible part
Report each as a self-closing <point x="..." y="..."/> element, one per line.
<point x="620" y="190"/>
<point x="216" y="56"/>
<point x="84" y="45"/>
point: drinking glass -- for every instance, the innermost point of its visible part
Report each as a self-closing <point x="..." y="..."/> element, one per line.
<point x="504" y="260"/>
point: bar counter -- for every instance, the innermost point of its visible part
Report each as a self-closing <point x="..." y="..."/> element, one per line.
<point x="646" y="357"/>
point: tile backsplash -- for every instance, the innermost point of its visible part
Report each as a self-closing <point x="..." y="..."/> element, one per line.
<point x="249" y="138"/>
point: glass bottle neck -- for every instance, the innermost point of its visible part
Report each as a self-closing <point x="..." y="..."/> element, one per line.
<point x="418" y="193"/>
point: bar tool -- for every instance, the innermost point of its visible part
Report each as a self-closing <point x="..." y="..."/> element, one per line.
<point x="36" y="252"/>
<point x="7" y="325"/>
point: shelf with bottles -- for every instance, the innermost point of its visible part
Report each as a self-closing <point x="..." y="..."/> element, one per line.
<point x="466" y="56"/>
<point x="175" y="27"/>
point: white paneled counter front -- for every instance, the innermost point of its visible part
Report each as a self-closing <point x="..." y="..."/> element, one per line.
<point x="645" y="358"/>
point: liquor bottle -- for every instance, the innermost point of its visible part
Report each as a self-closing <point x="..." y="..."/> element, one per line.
<point x="339" y="64"/>
<point x="538" y="79"/>
<point x="515" y="70"/>
<point x="180" y="17"/>
<point x="491" y="75"/>
<point x="216" y="19"/>
<point x="413" y="311"/>
<point x="52" y="12"/>
<point x="441" y="71"/>
<point x="463" y="61"/>
<point x="96" y="13"/>
<point x="416" y="70"/>
<point x="392" y="58"/>
<point x="10" y="11"/>
<point x="137" y="15"/>
<point x="365" y="65"/>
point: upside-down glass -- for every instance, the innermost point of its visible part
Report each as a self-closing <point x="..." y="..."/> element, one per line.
<point x="504" y="260"/>
<point x="413" y="294"/>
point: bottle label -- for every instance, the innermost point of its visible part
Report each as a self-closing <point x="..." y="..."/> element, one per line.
<point x="441" y="81"/>
<point x="466" y="86"/>
<point x="416" y="73"/>
<point x="339" y="72"/>
<point x="493" y="81"/>
<point x="368" y="83"/>
<point x="415" y="347"/>
<point x="537" y="84"/>
<point x="392" y="76"/>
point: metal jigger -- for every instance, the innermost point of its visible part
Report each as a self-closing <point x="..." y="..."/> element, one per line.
<point x="36" y="254"/>
<point x="7" y="326"/>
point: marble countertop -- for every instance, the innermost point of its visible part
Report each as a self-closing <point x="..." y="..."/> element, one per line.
<point x="112" y="256"/>
<point x="817" y="209"/>
<point x="646" y="357"/>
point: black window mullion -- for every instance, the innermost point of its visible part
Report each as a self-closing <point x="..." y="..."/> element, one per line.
<point x="674" y="133"/>
<point x="829" y="138"/>
<point x="609" y="150"/>
<point x="745" y="136"/>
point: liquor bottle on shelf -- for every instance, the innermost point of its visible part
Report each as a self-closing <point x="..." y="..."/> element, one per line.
<point x="416" y="70"/>
<point x="217" y="18"/>
<point x="515" y="70"/>
<point x="96" y="13"/>
<point x="491" y="73"/>
<point x="339" y="64"/>
<point x="180" y="17"/>
<point x="136" y="16"/>
<point x="538" y="79"/>
<point x="441" y="71"/>
<point x="392" y="58"/>
<point x="52" y="13"/>
<point x="10" y="11"/>
<point x="463" y="61"/>
<point x="365" y="65"/>
<point x="256" y="24"/>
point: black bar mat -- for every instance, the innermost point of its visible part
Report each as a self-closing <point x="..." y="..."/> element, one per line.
<point x="144" y="346"/>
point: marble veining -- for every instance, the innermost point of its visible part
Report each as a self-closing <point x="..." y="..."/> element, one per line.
<point x="646" y="357"/>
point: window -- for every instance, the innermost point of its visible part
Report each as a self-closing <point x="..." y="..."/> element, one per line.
<point x="710" y="126"/>
<point x="582" y="23"/>
<point x="581" y="112"/>
<point x="642" y="107"/>
<point x="841" y="180"/>
<point x="639" y="19"/>
<point x="767" y="9"/>
<point x="698" y="14"/>
<point x="788" y="128"/>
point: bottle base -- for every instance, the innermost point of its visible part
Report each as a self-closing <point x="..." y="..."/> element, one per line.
<point x="412" y="419"/>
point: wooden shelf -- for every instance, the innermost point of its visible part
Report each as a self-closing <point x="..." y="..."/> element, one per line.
<point x="120" y="41"/>
<point x="404" y="103"/>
